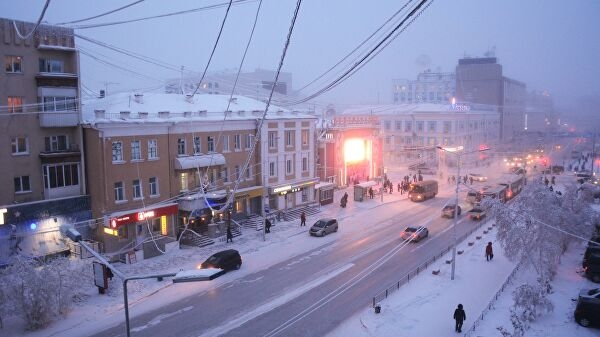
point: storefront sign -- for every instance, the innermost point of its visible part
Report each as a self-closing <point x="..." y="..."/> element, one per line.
<point x="282" y="189"/>
<point x="141" y="216"/>
<point x="2" y="212"/>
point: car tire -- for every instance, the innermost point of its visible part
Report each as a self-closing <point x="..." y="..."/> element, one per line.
<point x="596" y="278"/>
<point x="584" y="322"/>
<point x="238" y="266"/>
<point x="335" y="230"/>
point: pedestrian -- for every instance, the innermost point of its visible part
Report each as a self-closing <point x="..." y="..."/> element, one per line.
<point x="489" y="252"/>
<point x="303" y="219"/>
<point x="267" y="226"/>
<point x="229" y="234"/>
<point x="399" y="187"/>
<point x="459" y="316"/>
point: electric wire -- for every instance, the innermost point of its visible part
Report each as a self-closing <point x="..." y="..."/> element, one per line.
<point x="101" y="15"/>
<point x="37" y="24"/>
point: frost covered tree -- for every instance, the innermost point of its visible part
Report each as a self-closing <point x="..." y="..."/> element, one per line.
<point x="530" y="301"/>
<point x="39" y="292"/>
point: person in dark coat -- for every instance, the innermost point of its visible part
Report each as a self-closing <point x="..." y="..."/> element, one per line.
<point x="459" y="316"/>
<point x="229" y="234"/>
<point x="303" y="219"/>
<point x="267" y="226"/>
<point x="489" y="252"/>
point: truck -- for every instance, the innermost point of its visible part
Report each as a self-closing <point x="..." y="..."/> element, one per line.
<point x="476" y="213"/>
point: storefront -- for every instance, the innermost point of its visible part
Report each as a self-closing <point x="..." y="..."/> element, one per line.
<point x="324" y="193"/>
<point x="129" y="229"/>
<point x="285" y="196"/>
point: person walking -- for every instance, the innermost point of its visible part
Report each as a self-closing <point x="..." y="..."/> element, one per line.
<point x="303" y="219"/>
<point x="267" y="226"/>
<point x="229" y="234"/>
<point x="489" y="252"/>
<point x="459" y="316"/>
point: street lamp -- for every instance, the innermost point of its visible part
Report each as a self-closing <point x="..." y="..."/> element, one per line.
<point x="454" y="151"/>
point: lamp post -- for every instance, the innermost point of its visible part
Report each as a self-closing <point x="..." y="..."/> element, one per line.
<point x="458" y="158"/>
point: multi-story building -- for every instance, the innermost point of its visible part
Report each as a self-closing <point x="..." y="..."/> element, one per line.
<point x="410" y="133"/>
<point x="256" y="84"/>
<point x="43" y="186"/>
<point x="480" y="81"/>
<point x="429" y="87"/>
<point x="159" y="160"/>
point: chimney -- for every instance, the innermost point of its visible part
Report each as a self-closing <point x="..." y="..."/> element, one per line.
<point x="202" y="113"/>
<point x="163" y="114"/>
<point x="143" y="114"/>
<point x="187" y="114"/>
<point x="139" y="98"/>
<point x="233" y="100"/>
<point x="189" y="98"/>
<point x="125" y="114"/>
<point x="102" y="94"/>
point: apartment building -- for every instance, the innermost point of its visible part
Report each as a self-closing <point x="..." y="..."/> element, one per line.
<point x="43" y="187"/>
<point x="429" y="87"/>
<point x="159" y="160"/>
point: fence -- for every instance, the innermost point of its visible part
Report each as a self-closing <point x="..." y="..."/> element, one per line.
<point x="405" y="279"/>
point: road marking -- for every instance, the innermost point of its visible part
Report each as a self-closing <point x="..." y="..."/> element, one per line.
<point x="159" y="318"/>
<point x="266" y="307"/>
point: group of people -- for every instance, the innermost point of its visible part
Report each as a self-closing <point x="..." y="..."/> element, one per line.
<point x="452" y="179"/>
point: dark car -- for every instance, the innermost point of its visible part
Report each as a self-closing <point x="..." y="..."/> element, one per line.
<point x="229" y="259"/>
<point x="323" y="227"/>
<point x="448" y="211"/>
<point x="591" y="266"/>
<point x="415" y="234"/>
<point x="587" y="311"/>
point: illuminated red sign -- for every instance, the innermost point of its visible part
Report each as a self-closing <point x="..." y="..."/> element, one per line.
<point x="141" y="216"/>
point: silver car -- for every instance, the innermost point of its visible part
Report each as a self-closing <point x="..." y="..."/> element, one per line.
<point x="323" y="227"/>
<point x="414" y="234"/>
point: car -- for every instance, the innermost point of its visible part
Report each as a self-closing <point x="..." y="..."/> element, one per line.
<point x="517" y="170"/>
<point x="323" y="227"/>
<point x="415" y="234"/>
<point x="591" y="266"/>
<point x="587" y="311"/>
<point x="477" y="213"/>
<point x="477" y="177"/>
<point x="448" y="211"/>
<point x="228" y="259"/>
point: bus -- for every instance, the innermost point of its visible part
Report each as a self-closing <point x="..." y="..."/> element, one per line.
<point x="513" y="184"/>
<point x="495" y="192"/>
<point x="423" y="190"/>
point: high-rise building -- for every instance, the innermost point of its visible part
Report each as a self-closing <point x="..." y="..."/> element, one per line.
<point x="41" y="175"/>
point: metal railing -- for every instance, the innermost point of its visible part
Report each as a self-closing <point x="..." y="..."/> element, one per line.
<point x="410" y="275"/>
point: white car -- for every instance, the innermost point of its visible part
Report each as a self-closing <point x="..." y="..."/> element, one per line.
<point x="477" y="177"/>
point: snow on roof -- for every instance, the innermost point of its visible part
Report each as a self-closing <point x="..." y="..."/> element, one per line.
<point x="135" y="106"/>
<point x="396" y="109"/>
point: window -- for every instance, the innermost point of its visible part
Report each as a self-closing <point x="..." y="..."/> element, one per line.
<point x="432" y="126"/>
<point x="304" y="164"/>
<point x="152" y="149"/>
<point x="137" y="189"/>
<point x="61" y="175"/>
<point x="210" y="142"/>
<point x="420" y="126"/>
<point x="225" y="143"/>
<point x="183" y="181"/>
<point x="447" y="126"/>
<point x="153" y="182"/>
<point x="249" y="173"/>
<point x="271" y="169"/>
<point x="19" y="145"/>
<point x="304" y="137"/>
<point x="52" y="66"/>
<point x="22" y="184"/>
<point x="387" y="125"/>
<point x="237" y="143"/>
<point x="136" y="151"/>
<point x="289" y="140"/>
<point x="180" y="146"/>
<point x="249" y="140"/>
<point x="12" y="64"/>
<point x="398" y="125"/>
<point x="15" y="104"/>
<point x="117" y="152"/>
<point x="288" y="166"/>
<point x="238" y="172"/>
<point x="59" y="103"/>
<point x="225" y="175"/>
<point x="407" y="126"/>
<point x="272" y="139"/>
<point x="56" y="143"/>
<point x="197" y="145"/>
<point x="119" y="192"/>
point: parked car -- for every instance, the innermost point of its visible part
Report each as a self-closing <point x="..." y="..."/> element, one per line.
<point x="229" y="259"/>
<point x="323" y="227"/>
<point x="448" y="211"/>
<point x="591" y="266"/>
<point x="477" y="177"/>
<point x="587" y="311"/>
<point x="414" y="233"/>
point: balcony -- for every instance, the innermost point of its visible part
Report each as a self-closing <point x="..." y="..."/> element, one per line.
<point x="49" y="79"/>
<point x="59" y="118"/>
<point x="72" y="154"/>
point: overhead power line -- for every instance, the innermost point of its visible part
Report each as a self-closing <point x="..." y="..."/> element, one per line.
<point x="103" y="14"/>
<point x="37" y="24"/>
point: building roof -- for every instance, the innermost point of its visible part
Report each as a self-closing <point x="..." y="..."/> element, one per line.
<point x="151" y="107"/>
<point x="402" y="109"/>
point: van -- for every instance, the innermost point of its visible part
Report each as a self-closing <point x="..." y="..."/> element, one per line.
<point x="471" y="197"/>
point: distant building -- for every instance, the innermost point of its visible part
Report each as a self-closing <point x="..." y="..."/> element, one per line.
<point x="429" y="87"/>
<point x="175" y="160"/>
<point x="481" y="81"/>
<point x="43" y="185"/>
<point x="539" y="114"/>
<point x="256" y="84"/>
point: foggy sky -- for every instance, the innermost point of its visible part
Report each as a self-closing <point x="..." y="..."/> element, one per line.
<point x="549" y="45"/>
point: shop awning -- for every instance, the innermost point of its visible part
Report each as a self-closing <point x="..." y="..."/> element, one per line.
<point x="191" y="162"/>
<point x="324" y="186"/>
